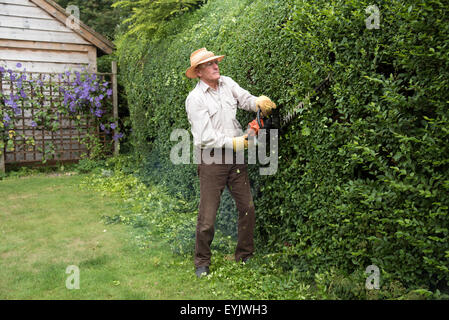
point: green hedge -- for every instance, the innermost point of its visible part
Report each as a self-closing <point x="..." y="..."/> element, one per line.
<point x="363" y="173"/>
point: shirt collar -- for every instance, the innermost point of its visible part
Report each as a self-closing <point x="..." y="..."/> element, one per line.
<point x="203" y="86"/>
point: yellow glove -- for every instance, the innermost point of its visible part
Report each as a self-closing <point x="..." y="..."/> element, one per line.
<point x="265" y="105"/>
<point x="240" y="143"/>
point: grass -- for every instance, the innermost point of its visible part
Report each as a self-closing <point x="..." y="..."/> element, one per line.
<point x="48" y="223"/>
<point x="132" y="241"/>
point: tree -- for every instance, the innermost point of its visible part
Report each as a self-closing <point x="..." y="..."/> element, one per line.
<point x="99" y="15"/>
<point x="148" y="15"/>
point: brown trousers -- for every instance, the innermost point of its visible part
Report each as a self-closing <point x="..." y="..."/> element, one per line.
<point x="213" y="179"/>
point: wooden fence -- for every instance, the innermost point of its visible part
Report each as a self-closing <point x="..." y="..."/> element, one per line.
<point x="66" y="143"/>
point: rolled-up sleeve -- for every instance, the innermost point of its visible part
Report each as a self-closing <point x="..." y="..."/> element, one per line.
<point x="204" y="135"/>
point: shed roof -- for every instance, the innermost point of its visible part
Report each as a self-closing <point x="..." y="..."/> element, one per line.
<point x="59" y="13"/>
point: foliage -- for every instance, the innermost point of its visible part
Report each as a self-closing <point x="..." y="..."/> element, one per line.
<point x="74" y="95"/>
<point x="151" y="208"/>
<point x="104" y="19"/>
<point x="363" y="173"/>
<point x="87" y="165"/>
<point x="95" y="149"/>
<point x="374" y="165"/>
<point x="99" y="15"/>
<point x="149" y="15"/>
<point x="158" y="215"/>
<point x="154" y="214"/>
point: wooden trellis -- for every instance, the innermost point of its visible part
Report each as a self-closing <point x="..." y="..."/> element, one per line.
<point x="67" y="141"/>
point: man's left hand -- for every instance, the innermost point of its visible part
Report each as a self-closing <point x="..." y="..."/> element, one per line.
<point x="265" y="105"/>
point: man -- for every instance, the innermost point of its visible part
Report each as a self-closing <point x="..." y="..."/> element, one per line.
<point x="211" y="109"/>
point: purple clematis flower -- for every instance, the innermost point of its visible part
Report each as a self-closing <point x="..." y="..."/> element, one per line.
<point x="98" y="113"/>
<point x="72" y="106"/>
<point x="118" y="136"/>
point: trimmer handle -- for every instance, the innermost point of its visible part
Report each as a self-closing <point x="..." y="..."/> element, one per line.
<point x="259" y="119"/>
<point x="255" y="125"/>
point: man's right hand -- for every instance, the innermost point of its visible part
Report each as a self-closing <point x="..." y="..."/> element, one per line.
<point x="240" y="143"/>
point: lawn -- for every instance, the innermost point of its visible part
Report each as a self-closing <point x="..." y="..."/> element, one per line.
<point x="48" y="223"/>
<point x="132" y="241"/>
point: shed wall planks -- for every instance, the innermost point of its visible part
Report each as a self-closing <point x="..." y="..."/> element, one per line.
<point x="44" y="56"/>
<point x="18" y="2"/>
<point x="41" y="43"/>
<point x="32" y="23"/>
<point x="26" y="11"/>
<point x="40" y="35"/>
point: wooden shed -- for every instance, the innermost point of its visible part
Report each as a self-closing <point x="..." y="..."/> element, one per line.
<point x="46" y="41"/>
<point x="40" y="35"/>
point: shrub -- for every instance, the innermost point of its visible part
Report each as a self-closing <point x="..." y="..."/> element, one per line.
<point x="363" y="172"/>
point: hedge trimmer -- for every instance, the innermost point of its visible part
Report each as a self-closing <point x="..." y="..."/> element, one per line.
<point x="275" y="121"/>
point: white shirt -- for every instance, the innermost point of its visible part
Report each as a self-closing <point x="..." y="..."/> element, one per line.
<point x="212" y="113"/>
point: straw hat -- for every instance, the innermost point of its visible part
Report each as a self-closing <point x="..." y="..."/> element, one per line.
<point x="198" y="57"/>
